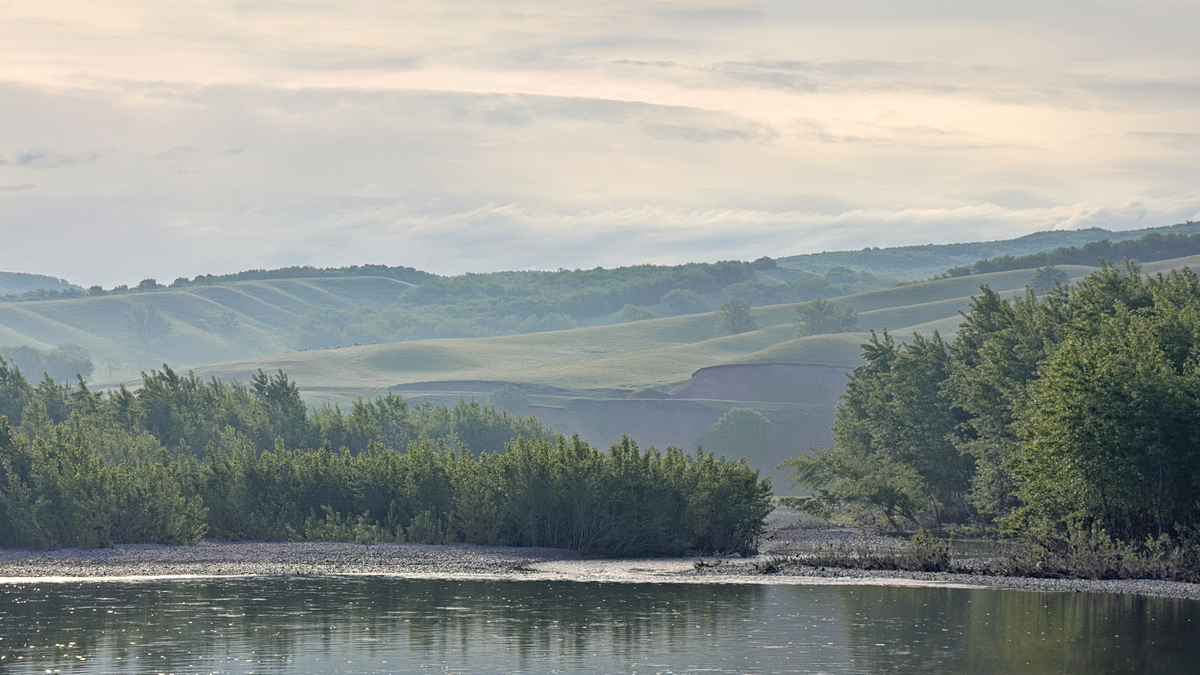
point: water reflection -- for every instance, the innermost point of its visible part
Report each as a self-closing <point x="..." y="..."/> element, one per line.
<point x="379" y="625"/>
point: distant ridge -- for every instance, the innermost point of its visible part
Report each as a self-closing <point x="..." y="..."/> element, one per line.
<point x="20" y="282"/>
<point x="922" y="262"/>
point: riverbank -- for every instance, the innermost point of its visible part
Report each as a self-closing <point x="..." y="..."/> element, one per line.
<point x="222" y="559"/>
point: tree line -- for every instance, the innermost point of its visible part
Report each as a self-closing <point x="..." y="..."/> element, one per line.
<point x="1076" y="410"/>
<point x="179" y="459"/>
<point x="1153" y="246"/>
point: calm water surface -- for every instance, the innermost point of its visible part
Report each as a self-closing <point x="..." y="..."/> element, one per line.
<point x="387" y="625"/>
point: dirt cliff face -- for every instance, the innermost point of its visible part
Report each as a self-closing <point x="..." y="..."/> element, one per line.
<point x="768" y="382"/>
<point x="798" y="399"/>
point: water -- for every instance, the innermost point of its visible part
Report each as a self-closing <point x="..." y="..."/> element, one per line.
<point x="389" y="625"/>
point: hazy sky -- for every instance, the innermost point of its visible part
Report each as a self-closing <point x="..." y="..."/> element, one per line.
<point x="159" y="139"/>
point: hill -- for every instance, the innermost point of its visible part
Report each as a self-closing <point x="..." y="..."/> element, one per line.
<point x="922" y="262"/>
<point x="20" y="282"/>
<point x="257" y="312"/>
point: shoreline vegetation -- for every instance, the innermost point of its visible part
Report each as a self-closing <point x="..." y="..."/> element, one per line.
<point x="1067" y="420"/>
<point x="180" y="459"/>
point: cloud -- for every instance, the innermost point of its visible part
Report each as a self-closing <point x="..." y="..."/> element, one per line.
<point x="48" y="159"/>
<point x="494" y="135"/>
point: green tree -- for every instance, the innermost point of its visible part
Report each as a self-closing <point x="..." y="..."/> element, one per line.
<point x="1046" y="278"/>
<point x="62" y="364"/>
<point x="740" y="432"/>
<point x="894" y="453"/>
<point x="511" y="398"/>
<point x="817" y="317"/>
<point x="1109" y="431"/>
<point x="146" y="323"/>
<point x="734" y="317"/>
<point x="684" y="301"/>
<point x="1000" y="347"/>
<point x="631" y="313"/>
<point x="15" y="392"/>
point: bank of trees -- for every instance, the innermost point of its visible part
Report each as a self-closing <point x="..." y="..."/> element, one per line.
<point x="1153" y="246"/>
<point x="180" y="458"/>
<point x="1079" y="408"/>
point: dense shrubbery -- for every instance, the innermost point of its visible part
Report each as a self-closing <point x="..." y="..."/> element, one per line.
<point x="179" y="458"/>
<point x="1075" y="411"/>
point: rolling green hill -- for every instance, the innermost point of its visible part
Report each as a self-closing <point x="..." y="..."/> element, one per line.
<point x="208" y="323"/>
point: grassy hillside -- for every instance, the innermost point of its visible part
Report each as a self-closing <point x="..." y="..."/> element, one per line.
<point x="259" y="312"/>
<point x="207" y="323"/>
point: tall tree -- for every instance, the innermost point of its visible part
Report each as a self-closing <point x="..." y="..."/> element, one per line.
<point x="146" y="323"/>
<point x="734" y="317"/>
<point x="894" y="451"/>
<point x="817" y="317"/>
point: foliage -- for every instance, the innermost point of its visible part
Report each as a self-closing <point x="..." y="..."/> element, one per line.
<point x="62" y="364"/>
<point x="510" y="397"/>
<point x="15" y="392"/>
<point x="179" y="458"/>
<point x="1047" y="278"/>
<point x="146" y="323"/>
<point x="1076" y="408"/>
<point x="740" y="432"/>
<point x="684" y="301"/>
<point x="630" y="313"/>
<point x="734" y="317"/>
<point x="1153" y="246"/>
<point x="892" y="429"/>
<point x="923" y="552"/>
<point x="818" y="317"/>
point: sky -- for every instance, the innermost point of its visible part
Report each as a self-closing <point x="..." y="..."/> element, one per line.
<point x="160" y="139"/>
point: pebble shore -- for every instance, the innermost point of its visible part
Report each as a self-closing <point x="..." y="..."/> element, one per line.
<point x="208" y="559"/>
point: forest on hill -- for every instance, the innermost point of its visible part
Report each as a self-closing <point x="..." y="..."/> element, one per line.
<point x="179" y="459"/>
<point x="922" y="262"/>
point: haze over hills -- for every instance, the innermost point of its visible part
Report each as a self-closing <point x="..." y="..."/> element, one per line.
<point x="664" y="380"/>
<point x="21" y="282"/>
<point x="250" y="314"/>
<point x="922" y="262"/>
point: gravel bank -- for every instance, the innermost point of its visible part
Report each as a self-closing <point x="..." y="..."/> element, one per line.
<point x="273" y="558"/>
<point x="485" y="562"/>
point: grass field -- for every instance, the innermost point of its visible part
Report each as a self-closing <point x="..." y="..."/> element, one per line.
<point x="262" y="314"/>
<point x="655" y="353"/>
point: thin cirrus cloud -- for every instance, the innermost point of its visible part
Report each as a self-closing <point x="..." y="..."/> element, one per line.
<point x="481" y="135"/>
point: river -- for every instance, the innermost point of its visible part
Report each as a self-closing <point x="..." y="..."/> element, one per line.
<point x="379" y="624"/>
